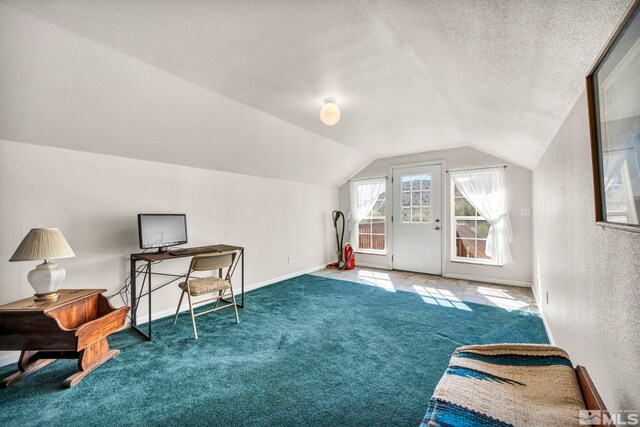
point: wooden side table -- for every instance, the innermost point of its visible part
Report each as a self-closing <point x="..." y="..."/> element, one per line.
<point x="75" y="326"/>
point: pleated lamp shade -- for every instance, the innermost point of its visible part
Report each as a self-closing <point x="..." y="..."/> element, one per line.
<point x="41" y="244"/>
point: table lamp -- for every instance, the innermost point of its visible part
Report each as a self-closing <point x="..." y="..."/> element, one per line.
<point x="44" y="244"/>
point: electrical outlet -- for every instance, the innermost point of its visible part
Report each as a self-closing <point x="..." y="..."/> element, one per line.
<point x="288" y="260"/>
<point x="547" y="297"/>
<point x="525" y="211"/>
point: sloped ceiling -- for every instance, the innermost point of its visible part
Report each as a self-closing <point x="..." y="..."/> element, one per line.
<point x="409" y="76"/>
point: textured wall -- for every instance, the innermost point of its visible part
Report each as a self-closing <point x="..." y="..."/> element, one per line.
<point x="410" y="76"/>
<point x="94" y="200"/>
<point x="592" y="275"/>
<point x="518" y="181"/>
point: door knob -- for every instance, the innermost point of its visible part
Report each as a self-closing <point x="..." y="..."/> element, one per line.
<point x="437" y="228"/>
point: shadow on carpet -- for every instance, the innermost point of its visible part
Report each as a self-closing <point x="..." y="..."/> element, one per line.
<point x="308" y="351"/>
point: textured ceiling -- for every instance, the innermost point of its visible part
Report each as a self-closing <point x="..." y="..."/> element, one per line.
<point x="409" y="76"/>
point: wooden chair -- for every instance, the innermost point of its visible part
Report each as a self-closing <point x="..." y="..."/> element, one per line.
<point x="194" y="287"/>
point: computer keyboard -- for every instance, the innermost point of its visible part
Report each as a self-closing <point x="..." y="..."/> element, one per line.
<point x="194" y="250"/>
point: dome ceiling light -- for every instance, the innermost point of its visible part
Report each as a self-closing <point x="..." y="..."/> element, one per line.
<point x="329" y="113"/>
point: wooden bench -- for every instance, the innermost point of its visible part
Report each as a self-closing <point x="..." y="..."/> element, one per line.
<point x="514" y="384"/>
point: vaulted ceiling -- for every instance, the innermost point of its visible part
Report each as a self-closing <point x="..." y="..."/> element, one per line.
<point x="409" y="76"/>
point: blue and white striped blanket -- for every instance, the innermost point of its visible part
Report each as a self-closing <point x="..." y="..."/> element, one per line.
<point x="506" y="385"/>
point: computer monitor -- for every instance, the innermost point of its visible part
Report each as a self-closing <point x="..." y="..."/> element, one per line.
<point x="162" y="230"/>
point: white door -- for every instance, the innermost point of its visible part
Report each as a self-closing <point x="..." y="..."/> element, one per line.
<point x="417" y="221"/>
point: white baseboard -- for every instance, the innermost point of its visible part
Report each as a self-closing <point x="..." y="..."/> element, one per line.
<point x="172" y="310"/>
<point x="488" y="280"/>
<point x="285" y="277"/>
<point x="8" y="359"/>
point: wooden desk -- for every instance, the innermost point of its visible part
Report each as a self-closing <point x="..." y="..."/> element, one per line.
<point x="154" y="257"/>
<point x="75" y="326"/>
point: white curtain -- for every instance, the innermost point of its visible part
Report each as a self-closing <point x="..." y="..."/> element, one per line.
<point x="364" y="194"/>
<point x="485" y="190"/>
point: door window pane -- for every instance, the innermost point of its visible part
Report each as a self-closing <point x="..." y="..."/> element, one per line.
<point x="406" y="183"/>
<point x="416" y="195"/>
<point x="415" y="182"/>
<point x="426" y="198"/>
<point x="406" y="214"/>
<point x="426" y="214"/>
<point x="406" y="199"/>
<point x="426" y="182"/>
<point x="416" y="215"/>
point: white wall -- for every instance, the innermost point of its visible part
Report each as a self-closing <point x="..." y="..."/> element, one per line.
<point x="518" y="181"/>
<point x="591" y="274"/>
<point x="63" y="96"/>
<point x="94" y="199"/>
<point x="63" y="90"/>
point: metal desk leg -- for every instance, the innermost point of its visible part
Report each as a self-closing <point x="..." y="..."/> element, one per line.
<point x="135" y="301"/>
<point x="149" y="294"/>
<point x="242" y="271"/>
<point x="132" y="301"/>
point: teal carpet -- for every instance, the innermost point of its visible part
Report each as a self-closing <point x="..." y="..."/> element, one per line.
<point x="308" y="351"/>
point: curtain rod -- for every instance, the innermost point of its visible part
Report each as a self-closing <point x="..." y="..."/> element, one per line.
<point x="364" y="179"/>
<point x="478" y="168"/>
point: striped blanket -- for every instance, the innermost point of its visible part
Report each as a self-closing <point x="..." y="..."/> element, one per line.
<point x="506" y="385"/>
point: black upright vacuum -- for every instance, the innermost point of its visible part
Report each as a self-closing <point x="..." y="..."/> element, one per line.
<point x="345" y="255"/>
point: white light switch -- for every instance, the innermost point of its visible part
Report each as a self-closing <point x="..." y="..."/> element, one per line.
<point x="525" y="211"/>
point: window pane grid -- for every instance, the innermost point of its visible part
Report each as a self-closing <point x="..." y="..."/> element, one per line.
<point x="415" y="200"/>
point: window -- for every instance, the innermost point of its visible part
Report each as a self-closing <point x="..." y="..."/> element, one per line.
<point x="416" y="198"/>
<point x="371" y="229"/>
<point x="471" y="230"/>
<point x="481" y="231"/>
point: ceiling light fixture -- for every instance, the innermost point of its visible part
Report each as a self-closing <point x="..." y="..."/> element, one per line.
<point x="329" y="113"/>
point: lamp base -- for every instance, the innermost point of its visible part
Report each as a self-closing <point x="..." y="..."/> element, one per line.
<point x="45" y="280"/>
<point x="53" y="296"/>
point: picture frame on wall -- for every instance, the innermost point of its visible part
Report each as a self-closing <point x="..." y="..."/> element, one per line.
<point x="613" y="96"/>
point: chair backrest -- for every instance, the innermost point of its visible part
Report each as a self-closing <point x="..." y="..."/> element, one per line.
<point x="210" y="262"/>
